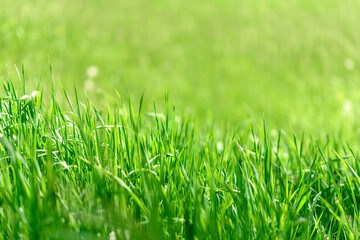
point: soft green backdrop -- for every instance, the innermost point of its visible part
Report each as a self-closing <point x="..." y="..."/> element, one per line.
<point x="293" y="62"/>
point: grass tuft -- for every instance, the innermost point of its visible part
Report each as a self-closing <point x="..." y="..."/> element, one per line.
<point x="119" y="173"/>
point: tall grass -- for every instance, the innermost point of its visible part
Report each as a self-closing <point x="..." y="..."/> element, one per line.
<point x="124" y="174"/>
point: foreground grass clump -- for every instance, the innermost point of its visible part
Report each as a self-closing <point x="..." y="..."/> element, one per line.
<point x="121" y="174"/>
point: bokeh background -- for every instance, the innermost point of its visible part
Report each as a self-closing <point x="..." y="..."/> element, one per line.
<point x="295" y="63"/>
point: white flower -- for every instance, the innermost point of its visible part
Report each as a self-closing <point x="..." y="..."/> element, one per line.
<point x="219" y="147"/>
<point x="349" y="64"/>
<point x="89" y="84"/>
<point x="32" y="95"/>
<point x="112" y="236"/>
<point x="347" y="108"/>
<point x="92" y="71"/>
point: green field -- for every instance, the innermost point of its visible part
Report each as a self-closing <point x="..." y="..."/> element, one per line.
<point x="257" y="137"/>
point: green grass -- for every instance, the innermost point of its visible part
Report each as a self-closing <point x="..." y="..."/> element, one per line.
<point x="284" y="60"/>
<point x="264" y="142"/>
<point x="86" y="174"/>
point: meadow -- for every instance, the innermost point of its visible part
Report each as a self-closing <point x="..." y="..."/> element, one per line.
<point x="179" y="120"/>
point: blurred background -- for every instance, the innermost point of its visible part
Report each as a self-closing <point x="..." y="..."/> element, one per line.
<point x="295" y="63"/>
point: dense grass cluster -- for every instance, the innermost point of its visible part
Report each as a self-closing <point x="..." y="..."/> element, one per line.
<point x="121" y="174"/>
<point x="71" y="168"/>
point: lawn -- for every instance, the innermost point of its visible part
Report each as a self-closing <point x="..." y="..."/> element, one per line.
<point x="188" y="120"/>
<point x="296" y="63"/>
